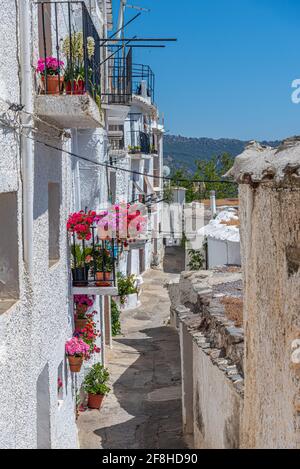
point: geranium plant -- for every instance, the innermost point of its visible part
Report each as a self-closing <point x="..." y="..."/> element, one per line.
<point x="89" y="334"/>
<point x="76" y="347"/>
<point x="76" y="351"/>
<point x="96" y="380"/>
<point x="83" y="303"/>
<point x="80" y="223"/>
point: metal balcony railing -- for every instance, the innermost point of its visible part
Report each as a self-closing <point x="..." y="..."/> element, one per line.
<point x="143" y="74"/>
<point x="119" y="80"/>
<point x="93" y="262"/>
<point x="140" y="142"/>
<point x="68" y="36"/>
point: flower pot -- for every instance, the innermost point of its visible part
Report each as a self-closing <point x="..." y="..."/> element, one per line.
<point x="80" y="324"/>
<point x="80" y="276"/>
<point x="53" y="84"/>
<point x="75" y="363"/>
<point x="95" y="401"/>
<point x="75" y="87"/>
<point x="103" y="279"/>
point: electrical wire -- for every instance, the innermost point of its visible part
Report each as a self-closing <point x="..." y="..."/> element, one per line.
<point x="114" y="167"/>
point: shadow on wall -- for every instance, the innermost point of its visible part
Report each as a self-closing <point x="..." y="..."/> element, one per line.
<point x="174" y="260"/>
<point x="149" y="392"/>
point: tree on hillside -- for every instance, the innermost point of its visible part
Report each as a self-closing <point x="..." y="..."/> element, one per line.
<point x="211" y="170"/>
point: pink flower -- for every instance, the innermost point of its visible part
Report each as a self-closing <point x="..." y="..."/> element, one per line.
<point x="76" y="347"/>
<point x="51" y="65"/>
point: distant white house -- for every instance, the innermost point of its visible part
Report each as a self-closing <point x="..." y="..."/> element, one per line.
<point x="223" y="239"/>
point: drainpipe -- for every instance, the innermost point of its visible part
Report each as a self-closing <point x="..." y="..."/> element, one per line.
<point x="213" y="205"/>
<point x="26" y="144"/>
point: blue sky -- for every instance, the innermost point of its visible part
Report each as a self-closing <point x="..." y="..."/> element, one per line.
<point x="231" y="71"/>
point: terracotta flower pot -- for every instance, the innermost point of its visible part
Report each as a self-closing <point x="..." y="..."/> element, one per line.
<point x="53" y="84"/>
<point x="103" y="279"/>
<point x="80" y="324"/>
<point x="95" y="401"/>
<point x="76" y="87"/>
<point x="75" y="363"/>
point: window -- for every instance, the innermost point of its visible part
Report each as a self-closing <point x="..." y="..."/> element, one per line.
<point x="9" y="259"/>
<point x="54" y="222"/>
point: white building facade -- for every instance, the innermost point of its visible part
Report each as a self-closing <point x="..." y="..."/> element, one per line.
<point x="41" y="183"/>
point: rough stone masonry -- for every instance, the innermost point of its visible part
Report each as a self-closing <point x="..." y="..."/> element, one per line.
<point x="270" y="235"/>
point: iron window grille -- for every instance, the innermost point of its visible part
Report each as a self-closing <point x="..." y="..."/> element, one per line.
<point x="119" y="80"/>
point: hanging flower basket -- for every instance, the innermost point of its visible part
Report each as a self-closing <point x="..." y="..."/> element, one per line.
<point x="76" y="351"/>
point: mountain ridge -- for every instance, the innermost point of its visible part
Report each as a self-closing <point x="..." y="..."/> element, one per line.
<point x="182" y="152"/>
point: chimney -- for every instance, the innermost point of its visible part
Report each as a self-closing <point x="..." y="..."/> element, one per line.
<point x="213" y="205"/>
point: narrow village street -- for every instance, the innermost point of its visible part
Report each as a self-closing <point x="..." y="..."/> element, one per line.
<point x="144" y="408"/>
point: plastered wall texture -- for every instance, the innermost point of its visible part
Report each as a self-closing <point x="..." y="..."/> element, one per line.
<point x="33" y="332"/>
<point x="270" y="232"/>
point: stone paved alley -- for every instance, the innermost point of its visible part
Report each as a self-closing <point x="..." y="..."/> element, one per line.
<point x="144" y="408"/>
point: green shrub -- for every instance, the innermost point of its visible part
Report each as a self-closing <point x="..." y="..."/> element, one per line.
<point x="95" y="381"/>
<point x="196" y="259"/>
<point x="115" y="319"/>
<point x="126" y="286"/>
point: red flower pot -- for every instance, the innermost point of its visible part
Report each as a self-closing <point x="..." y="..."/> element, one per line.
<point x="75" y="87"/>
<point x="53" y="84"/>
<point x="75" y="363"/>
<point x="95" y="401"/>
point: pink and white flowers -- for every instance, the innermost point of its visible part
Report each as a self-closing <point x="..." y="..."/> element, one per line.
<point x="76" y="347"/>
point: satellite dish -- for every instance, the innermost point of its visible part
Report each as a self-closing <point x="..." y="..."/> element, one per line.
<point x="166" y="171"/>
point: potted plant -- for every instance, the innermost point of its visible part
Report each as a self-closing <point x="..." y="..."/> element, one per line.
<point x="104" y="267"/>
<point x="95" y="384"/>
<point x="75" y="70"/>
<point x="80" y="223"/>
<point x="127" y="290"/>
<point x="50" y="70"/>
<point x="82" y="303"/>
<point x="80" y="265"/>
<point x="76" y="351"/>
<point x="89" y="335"/>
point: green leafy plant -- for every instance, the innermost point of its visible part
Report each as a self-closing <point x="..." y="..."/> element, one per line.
<point x="96" y="379"/>
<point x="196" y="259"/>
<point x="115" y="319"/>
<point x="126" y="286"/>
<point x="103" y="257"/>
<point x="134" y="149"/>
<point x="80" y="257"/>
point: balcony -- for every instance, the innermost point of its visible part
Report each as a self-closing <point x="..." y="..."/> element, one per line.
<point x="68" y="81"/>
<point x="140" y="144"/>
<point x="143" y="82"/>
<point x="118" y="95"/>
<point x="116" y="141"/>
<point x="93" y="265"/>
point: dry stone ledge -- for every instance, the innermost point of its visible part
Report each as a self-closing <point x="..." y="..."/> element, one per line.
<point x="197" y="306"/>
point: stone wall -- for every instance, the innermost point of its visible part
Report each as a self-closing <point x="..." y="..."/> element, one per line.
<point x="211" y="358"/>
<point x="270" y="230"/>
